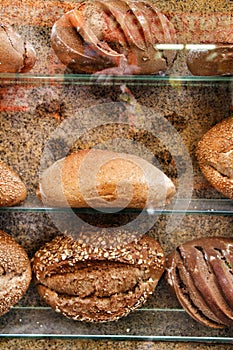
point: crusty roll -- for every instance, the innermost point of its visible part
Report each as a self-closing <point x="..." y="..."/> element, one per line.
<point x="200" y="273"/>
<point x="217" y="60"/>
<point x="105" y="34"/>
<point x="215" y="156"/>
<point x="15" y="272"/>
<point x="101" y="178"/>
<point x="12" y="189"/>
<point x="92" y="284"/>
<point x="16" y="55"/>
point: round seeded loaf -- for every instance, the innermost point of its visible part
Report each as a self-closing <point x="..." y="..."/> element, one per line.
<point x="95" y="284"/>
<point x="215" y="156"/>
<point x="15" y="272"/>
<point x="12" y="189"/>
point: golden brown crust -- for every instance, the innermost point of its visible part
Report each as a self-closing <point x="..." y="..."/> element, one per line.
<point x="199" y="272"/>
<point x="94" y="284"/>
<point x="215" y="156"/>
<point x="12" y="189"/>
<point x="16" y="55"/>
<point x="15" y="272"/>
<point x="104" y="179"/>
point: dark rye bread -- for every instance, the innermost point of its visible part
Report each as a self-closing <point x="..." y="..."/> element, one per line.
<point x="15" y="272"/>
<point x="200" y="273"/>
<point x="215" y="156"/>
<point x="114" y="36"/>
<point x="16" y="55"/>
<point x="12" y="189"/>
<point x="93" y="284"/>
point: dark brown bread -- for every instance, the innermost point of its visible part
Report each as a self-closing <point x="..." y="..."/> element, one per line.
<point x="215" y="61"/>
<point x="100" y="178"/>
<point x="215" y="156"/>
<point x="12" y="189"/>
<point x="16" y="55"/>
<point x="110" y="34"/>
<point x="15" y="272"/>
<point x="97" y="284"/>
<point x="200" y="273"/>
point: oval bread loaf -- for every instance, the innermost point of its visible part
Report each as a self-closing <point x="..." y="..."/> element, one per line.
<point x="93" y="284"/>
<point x="215" y="156"/>
<point x="200" y="273"/>
<point x="15" y="272"/>
<point x="12" y="189"/>
<point x="100" y="178"/>
<point x="16" y="55"/>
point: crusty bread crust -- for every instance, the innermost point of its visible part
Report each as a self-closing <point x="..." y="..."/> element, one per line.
<point x="215" y="156"/>
<point x="97" y="285"/>
<point x="104" y="179"/>
<point x="16" y="55"/>
<point x="12" y="189"/>
<point x="199" y="272"/>
<point x="102" y="35"/>
<point x="15" y="272"/>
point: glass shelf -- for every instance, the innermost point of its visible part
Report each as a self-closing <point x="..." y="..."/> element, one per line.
<point x="89" y="79"/>
<point x="196" y="206"/>
<point x="143" y="324"/>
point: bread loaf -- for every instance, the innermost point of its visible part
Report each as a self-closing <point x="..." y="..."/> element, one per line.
<point x="12" y="189"/>
<point x="15" y="272"/>
<point x="217" y="60"/>
<point x="92" y="284"/>
<point x="99" y="178"/>
<point x="200" y="273"/>
<point x="215" y="156"/>
<point x="16" y="55"/>
<point x="106" y="34"/>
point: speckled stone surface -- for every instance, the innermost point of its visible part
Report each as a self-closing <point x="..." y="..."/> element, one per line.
<point x="39" y="117"/>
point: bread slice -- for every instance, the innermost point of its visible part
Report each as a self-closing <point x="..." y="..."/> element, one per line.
<point x="100" y="178"/>
<point x="94" y="284"/>
<point x="12" y="189"/>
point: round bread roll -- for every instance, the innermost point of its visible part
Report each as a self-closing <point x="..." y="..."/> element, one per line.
<point x="101" y="179"/>
<point x="115" y="36"/>
<point x="16" y="55"/>
<point x="215" y="156"/>
<point x="217" y="60"/>
<point x="12" y="189"/>
<point x="92" y="284"/>
<point x="15" y="272"/>
<point x="200" y="273"/>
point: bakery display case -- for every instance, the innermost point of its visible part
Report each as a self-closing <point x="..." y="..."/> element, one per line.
<point x="159" y="112"/>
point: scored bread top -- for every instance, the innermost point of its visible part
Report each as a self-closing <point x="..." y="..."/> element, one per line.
<point x="64" y="251"/>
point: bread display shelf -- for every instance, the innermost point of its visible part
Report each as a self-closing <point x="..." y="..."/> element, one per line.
<point x="143" y="324"/>
<point x="196" y="206"/>
<point x="92" y="79"/>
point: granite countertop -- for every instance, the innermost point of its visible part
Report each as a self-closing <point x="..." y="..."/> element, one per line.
<point x="42" y="344"/>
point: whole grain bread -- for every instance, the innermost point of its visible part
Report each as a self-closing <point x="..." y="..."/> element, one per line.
<point x="215" y="156"/>
<point x="15" y="272"/>
<point x="94" y="284"/>
<point x="12" y="189"/>
<point x="99" y="178"/>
